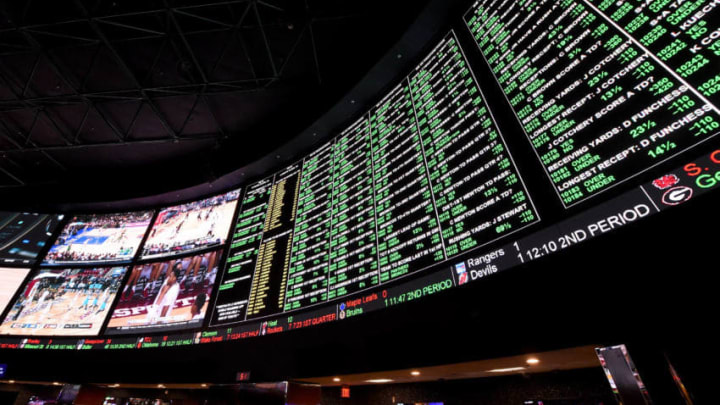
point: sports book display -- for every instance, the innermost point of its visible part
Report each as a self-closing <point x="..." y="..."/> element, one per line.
<point x="506" y="140"/>
<point x="424" y="176"/>
<point x="100" y="238"/>
<point x="63" y="302"/>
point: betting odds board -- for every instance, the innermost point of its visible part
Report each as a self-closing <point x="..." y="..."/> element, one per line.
<point x="424" y="176"/>
<point x="604" y="89"/>
<point x="421" y="193"/>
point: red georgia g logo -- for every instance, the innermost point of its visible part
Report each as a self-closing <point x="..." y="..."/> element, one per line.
<point x="666" y="181"/>
<point x="677" y="195"/>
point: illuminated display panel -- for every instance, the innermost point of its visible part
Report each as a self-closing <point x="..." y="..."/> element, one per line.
<point x="234" y="288"/>
<point x="166" y="295"/>
<point x="64" y="302"/>
<point x="417" y="189"/>
<point x="192" y="226"/>
<point x="10" y="280"/>
<point x="424" y="176"/>
<point x="23" y="235"/>
<point x="99" y="238"/>
<point x="604" y="89"/>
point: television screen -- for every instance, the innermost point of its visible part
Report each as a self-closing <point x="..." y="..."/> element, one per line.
<point x="166" y="295"/>
<point x="23" y="235"/>
<point x="10" y="281"/>
<point x="100" y="238"/>
<point x="64" y="302"/>
<point x="192" y="226"/>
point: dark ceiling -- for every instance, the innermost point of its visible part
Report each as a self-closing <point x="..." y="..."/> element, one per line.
<point x="104" y="99"/>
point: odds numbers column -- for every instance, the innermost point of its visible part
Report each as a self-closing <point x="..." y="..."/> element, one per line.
<point x="476" y="187"/>
<point x="307" y="279"/>
<point x="232" y="299"/>
<point x="353" y="250"/>
<point x="267" y="295"/>
<point x="407" y="226"/>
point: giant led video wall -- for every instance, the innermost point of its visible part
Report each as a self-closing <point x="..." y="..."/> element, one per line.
<point x="522" y="130"/>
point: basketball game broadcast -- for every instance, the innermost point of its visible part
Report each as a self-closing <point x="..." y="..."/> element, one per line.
<point x="64" y="302"/>
<point x="192" y="226"/>
<point x="166" y="295"/>
<point x="100" y="238"/>
<point x="10" y="281"/>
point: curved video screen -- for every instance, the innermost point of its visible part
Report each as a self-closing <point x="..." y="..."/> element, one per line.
<point x="99" y="238"/>
<point x="404" y="188"/>
<point x="192" y="226"/>
<point x="24" y="235"/>
<point x="64" y="302"/>
<point x="166" y="295"/>
<point x="573" y="104"/>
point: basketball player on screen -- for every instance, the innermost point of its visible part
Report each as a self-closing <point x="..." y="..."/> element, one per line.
<point x="167" y="296"/>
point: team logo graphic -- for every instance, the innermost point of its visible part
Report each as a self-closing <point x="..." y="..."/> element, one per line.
<point x="666" y="181"/>
<point x="677" y="195"/>
<point x="461" y="271"/>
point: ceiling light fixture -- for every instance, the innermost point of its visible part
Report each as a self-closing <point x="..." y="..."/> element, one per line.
<point x="336" y="379"/>
<point x="505" y="370"/>
<point x="532" y="360"/>
<point x="379" y="380"/>
<point x="415" y="373"/>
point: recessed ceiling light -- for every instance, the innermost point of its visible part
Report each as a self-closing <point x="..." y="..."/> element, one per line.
<point x="56" y="383"/>
<point x="161" y="386"/>
<point x="379" y="380"/>
<point x="532" y="360"/>
<point x="203" y="385"/>
<point x="505" y="370"/>
<point x="12" y="381"/>
<point x="336" y="379"/>
<point x="415" y="373"/>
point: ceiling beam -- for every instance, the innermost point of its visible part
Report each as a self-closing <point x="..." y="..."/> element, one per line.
<point x="90" y="146"/>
